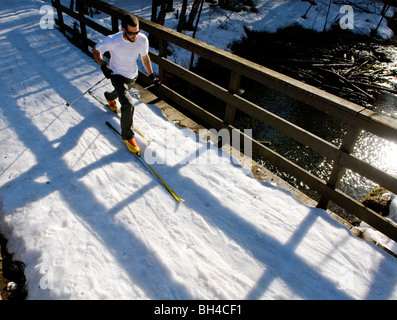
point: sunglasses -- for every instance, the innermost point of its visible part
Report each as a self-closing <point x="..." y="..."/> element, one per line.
<point x="131" y="33"/>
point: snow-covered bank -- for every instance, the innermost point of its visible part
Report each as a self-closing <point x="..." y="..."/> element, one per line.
<point x="90" y="222"/>
<point x="220" y="28"/>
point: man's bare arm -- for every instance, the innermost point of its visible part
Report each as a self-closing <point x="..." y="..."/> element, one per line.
<point x="147" y="63"/>
<point x="97" y="56"/>
<point x="104" y="66"/>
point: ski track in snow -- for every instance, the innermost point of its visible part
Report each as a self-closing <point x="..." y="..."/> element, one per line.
<point x="90" y="222"/>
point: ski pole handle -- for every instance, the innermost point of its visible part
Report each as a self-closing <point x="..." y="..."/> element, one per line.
<point x="136" y="94"/>
<point x="148" y="87"/>
<point x="69" y="104"/>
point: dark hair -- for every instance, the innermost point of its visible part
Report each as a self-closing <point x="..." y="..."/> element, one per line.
<point x="129" y="20"/>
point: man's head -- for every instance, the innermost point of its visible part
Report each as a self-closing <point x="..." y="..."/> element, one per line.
<point x="130" y="27"/>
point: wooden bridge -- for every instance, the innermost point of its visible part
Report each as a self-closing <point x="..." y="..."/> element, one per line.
<point x="355" y="117"/>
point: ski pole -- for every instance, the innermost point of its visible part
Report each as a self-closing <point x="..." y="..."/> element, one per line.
<point x="136" y="94"/>
<point x="69" y="104"/>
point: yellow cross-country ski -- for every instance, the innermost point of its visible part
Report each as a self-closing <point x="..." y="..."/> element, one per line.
<point x="147" y="165"/>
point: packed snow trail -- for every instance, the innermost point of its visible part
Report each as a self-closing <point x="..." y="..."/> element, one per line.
<point x="90" y="223"/>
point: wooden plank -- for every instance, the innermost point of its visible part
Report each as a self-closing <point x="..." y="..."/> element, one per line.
<point x="382" y="126"/>
<point x="234" y="86"/>
<point x="115" y="24"/>
<point x="366" y="170"/>
<point x="66" y="10"/>
<point x="84" y="20"/>
<point x="97" y="27"/>
<point x="190" y="106"/>
<point x="337" y="169"/>
<point x="57" y="5"/>
<point x="83" y="28"/>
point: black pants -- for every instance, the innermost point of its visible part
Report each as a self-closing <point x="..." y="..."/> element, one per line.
<point x="122" y="87"/>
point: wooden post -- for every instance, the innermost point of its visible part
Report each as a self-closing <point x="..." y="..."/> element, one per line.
<point x="337" y="171"/>
<point x="163" y="47"/>
<point x="60" y="15"/>
<point x="115" y="24"/>
<point x="83" y="29"/>
<point x="234" y="86"/>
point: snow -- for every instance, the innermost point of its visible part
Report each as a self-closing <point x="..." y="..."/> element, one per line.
<point x="90" y="222"/>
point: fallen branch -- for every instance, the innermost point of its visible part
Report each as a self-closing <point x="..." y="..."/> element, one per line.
<point x="350" y="83"/>
<point x="375" y="86"/>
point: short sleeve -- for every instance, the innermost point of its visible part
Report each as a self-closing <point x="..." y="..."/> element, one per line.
<point x="104" y="45"/>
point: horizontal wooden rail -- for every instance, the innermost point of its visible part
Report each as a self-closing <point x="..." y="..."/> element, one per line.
<point x="356" y="117"/>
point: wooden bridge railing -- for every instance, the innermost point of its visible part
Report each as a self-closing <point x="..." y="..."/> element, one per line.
<point x="356" y="117"/>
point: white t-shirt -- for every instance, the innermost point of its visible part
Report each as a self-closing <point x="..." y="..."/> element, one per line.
<point x="123" y="53"/>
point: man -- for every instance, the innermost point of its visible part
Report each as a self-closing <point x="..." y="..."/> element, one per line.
<point x="124" y="47"/>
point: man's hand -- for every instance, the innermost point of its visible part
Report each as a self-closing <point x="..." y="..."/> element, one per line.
<point x="155" y="80"/>
<point x="107" y="71"/>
